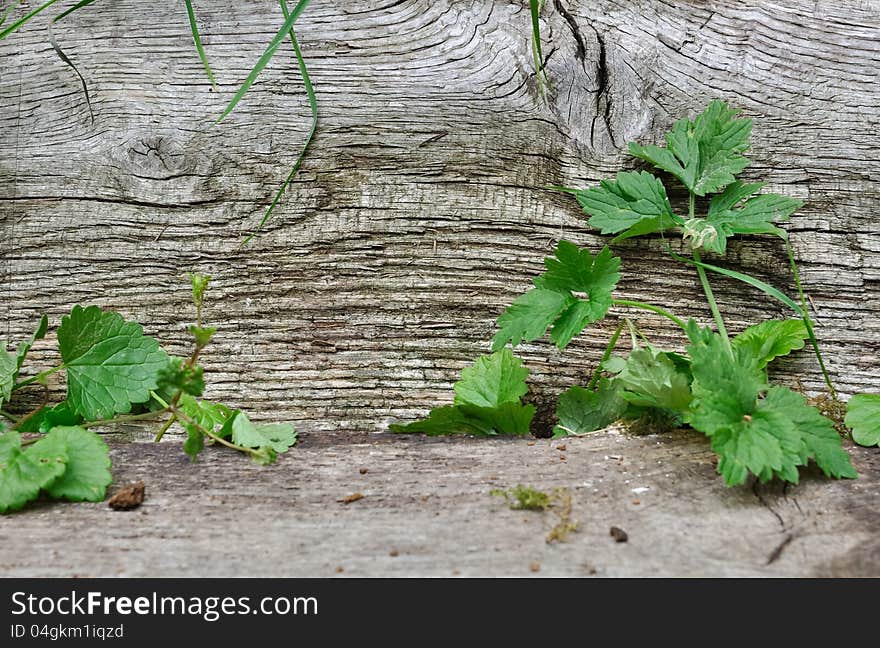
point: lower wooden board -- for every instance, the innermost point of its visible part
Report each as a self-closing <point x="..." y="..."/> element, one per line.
<point x="426" y="511"/>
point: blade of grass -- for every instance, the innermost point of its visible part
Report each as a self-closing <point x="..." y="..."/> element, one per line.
<point x="6" y="12"/>
<point x="537" y="53"/>
<point x="265" y="58"/>
<point x="808" y="322"/>
<point x="739" y="276"/>
<point x="65" y="58"/>
<point x="198" y="41"/>
<point x="313" y="104"/>
<point x="21" y="21"/>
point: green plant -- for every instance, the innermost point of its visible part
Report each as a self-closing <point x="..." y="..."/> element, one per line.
<point x="720" y="386"/>
<point x="115" y="374"/>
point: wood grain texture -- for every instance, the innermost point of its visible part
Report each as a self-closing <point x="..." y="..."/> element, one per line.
<point x="422" y="208"/>
<point x="426" y="510"/>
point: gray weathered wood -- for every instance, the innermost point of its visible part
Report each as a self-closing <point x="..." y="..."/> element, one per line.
<point x="421" y="211"/>
<point x="428" y="502"/>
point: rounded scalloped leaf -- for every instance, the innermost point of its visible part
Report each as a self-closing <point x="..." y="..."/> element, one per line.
<point x="110" y="362"/>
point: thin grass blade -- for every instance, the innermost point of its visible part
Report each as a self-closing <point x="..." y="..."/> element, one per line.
<point x="21" y="21"/>
<point x="537" y="53"/>
<point x="313" y="104"/>
<point x="65" y="58"/>
<point x="198" y="41"/>
<point x="739" y="276"/>
<point x="266" y="57"/>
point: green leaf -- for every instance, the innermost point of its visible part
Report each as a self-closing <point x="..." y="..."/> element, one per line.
<point x="529" y="316"/>
<point x="821" y="442"/>
<point x="863" y="417"/>
<point x="584" y="283"/>
<point x="194" y="28"/>
<point x="771" y="339"/>
<point x="207" y="414"/>
<point x="178" y="376"/>
<point x="581" y="411"/>
<point x="756" y="216"/>
<point x="88" y="463"/>
<point x="202" y="334"/>
<point x="277" y="436"/>
<point x="704" y="154"/>
<point x="49" y="417"/>
<point x="766" y="435"/>
<point x="632" y="205"/>
<point x="22" y="475"/>
<point x="492" y="380"/>
<point x="510" y="418"/>
<point x="8" y="371"/>
<point x="652" y="379"/>
<point x="25" y="347"/>
<point x="110" y="363"/>
<point x="199" y="283"/>
<point x="266" y="57"/>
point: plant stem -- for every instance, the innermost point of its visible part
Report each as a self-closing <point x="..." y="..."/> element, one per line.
<point x="209" y="433"/>
<point x="165" y="428"/>
<point x="606" y="356"/>
<point x="704" y="280"/>
<point x="38" y="377"/>
<point x="8" y="416"/>
<point x="808" y="322"/>
<point x="649" y="307"/>
<point x="146" y="416"/>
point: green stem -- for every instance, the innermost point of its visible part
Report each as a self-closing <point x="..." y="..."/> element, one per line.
<point x="704" y="280"/>
<point x="146" y="416"/>
<point x="209" y="433"/>
<point x="650" y="307"/>
<point x="165" y="428"/>
<point x="606" y="356"/>
<point x="8" y="416"/>
<point x="808" y="322"/>
<point x="38" y="377"/>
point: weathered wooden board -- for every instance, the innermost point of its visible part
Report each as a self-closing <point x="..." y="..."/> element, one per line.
<point x="426" y="510"/>
<point x="421" y="211"/>
<point x="422" y="208"/>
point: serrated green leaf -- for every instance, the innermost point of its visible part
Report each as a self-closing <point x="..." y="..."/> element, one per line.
<point x="584" y="285"/>
<point x="8" y="371"/>
<point x="581" y="410"/>
<point x="821" y="442"/>
<point x="492" y="380"/>
<point x="704" y="154"/>
<point x="632" y="205"/>
<point x="766" y="435"/>
<point x="88" y="463"/>
<point x="757" y="215"/>
<point x="110" y="362"/>
<point x="178" y="376"/>
<point x="529" y="316"/>
<point x="23" y="475"/>
<point x="771" y="339"/>
<point x="277" y="436"/>
<point x="510" y="418"/>
<point x="863" y="417"/>
<point x="49" y="417"/>
<point x="651" y="378"/>
<point x="205" y="414"/>
<point x="25" y="347"/>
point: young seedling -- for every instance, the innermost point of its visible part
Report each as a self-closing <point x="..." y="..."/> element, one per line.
<point x="115" y="374"/>
<point x="720" y="386"/>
